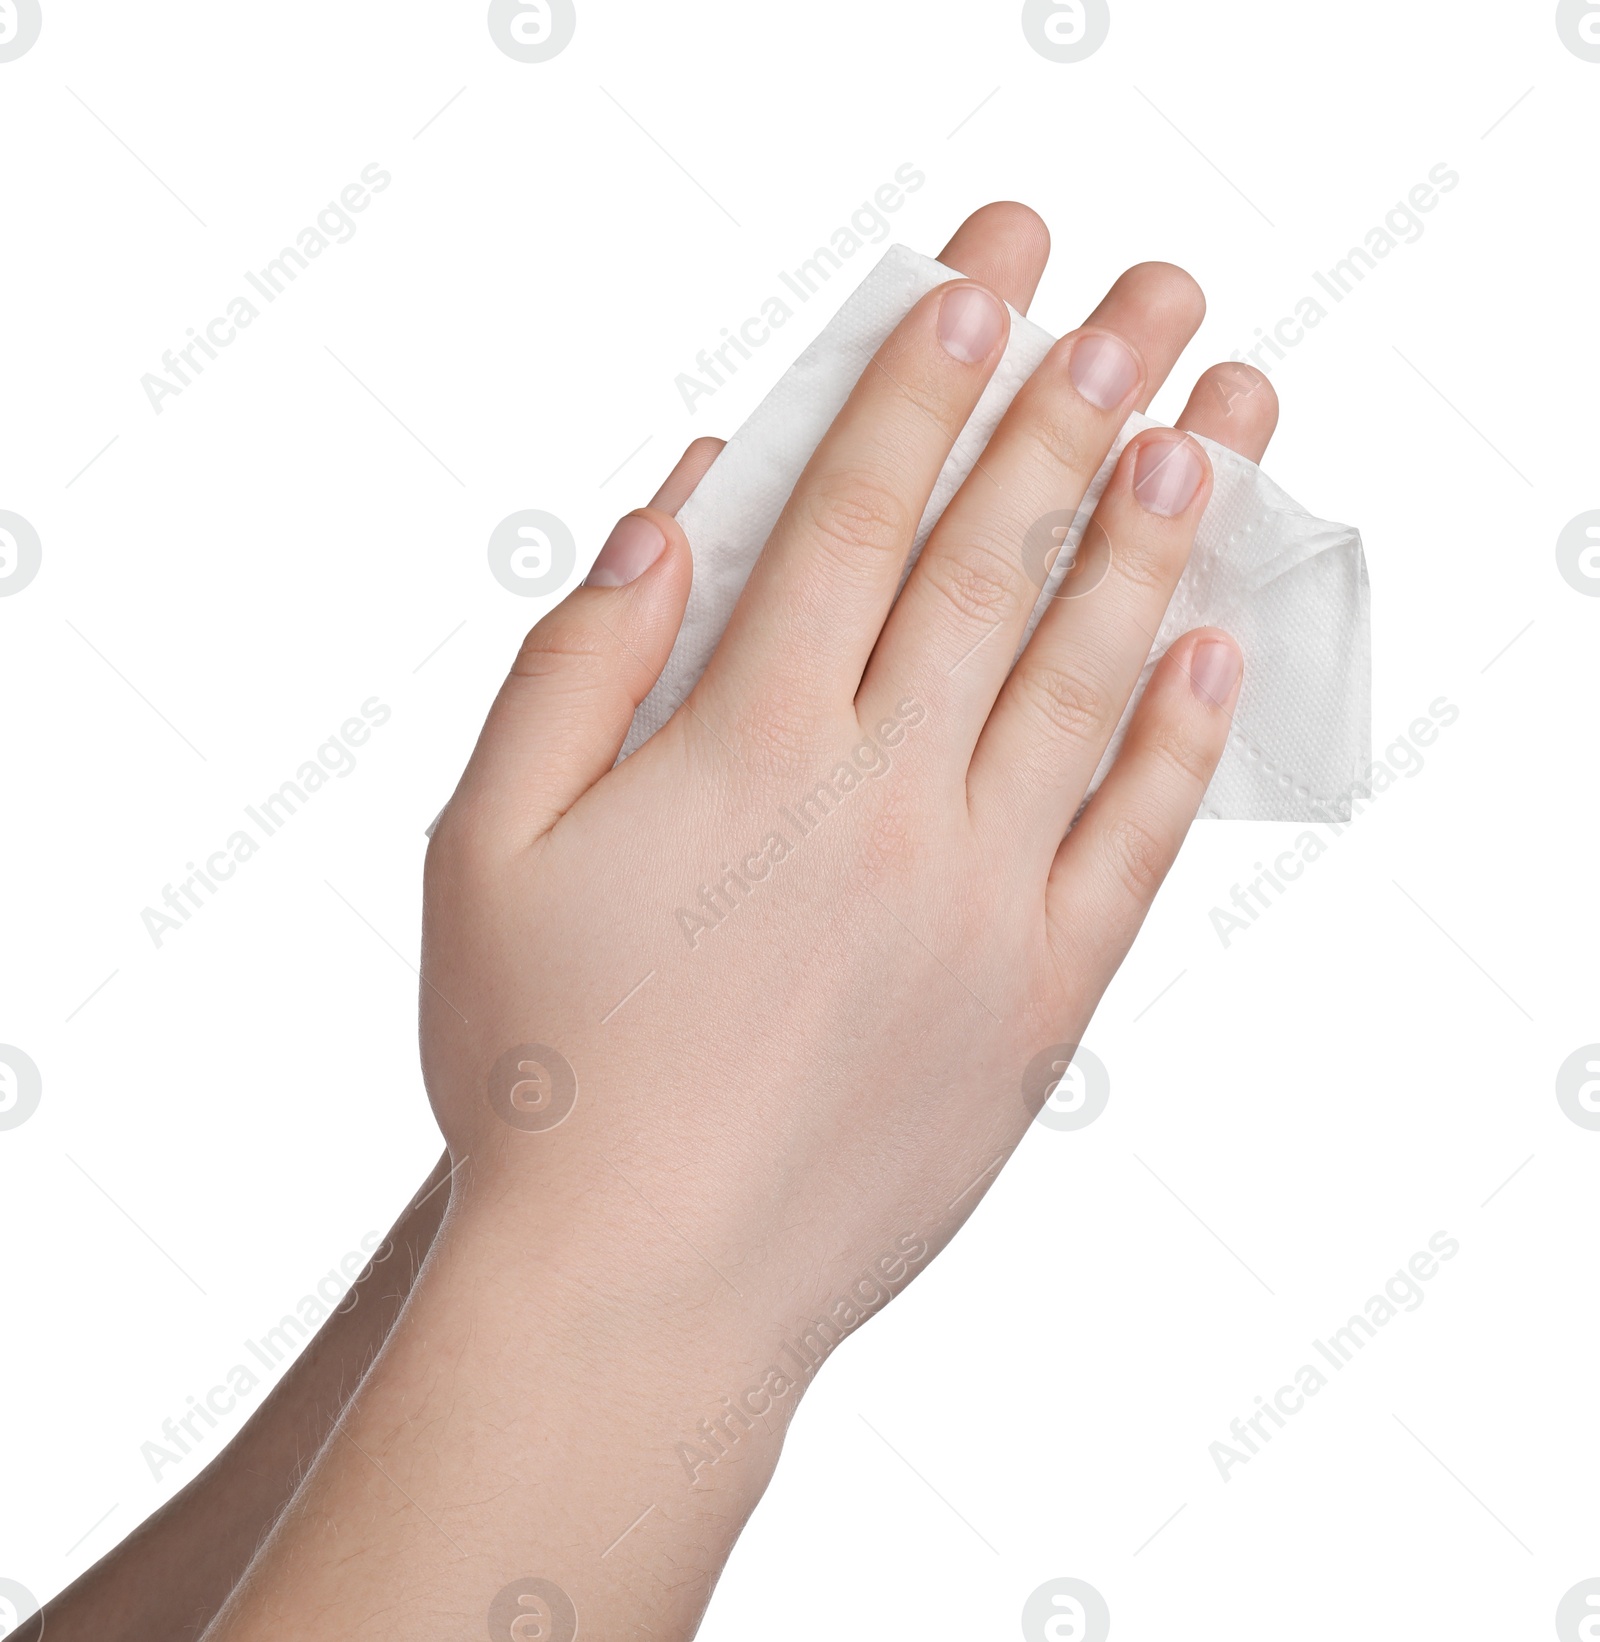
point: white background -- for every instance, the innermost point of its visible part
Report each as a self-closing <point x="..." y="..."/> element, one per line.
<point x="228" y="581"/>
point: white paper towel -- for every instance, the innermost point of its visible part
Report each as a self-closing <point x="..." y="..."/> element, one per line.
<point x="1291" y="589"/>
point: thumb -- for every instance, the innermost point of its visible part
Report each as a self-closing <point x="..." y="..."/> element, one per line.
<point x="561" y="716"/>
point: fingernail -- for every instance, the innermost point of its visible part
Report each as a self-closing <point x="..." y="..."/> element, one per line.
<point x="970" y="322"/>
<point x="1213" y="671"/>
<point x="1166" y="476"/>
<point x="630" y="550"/>
<point x="1103" y="370"/>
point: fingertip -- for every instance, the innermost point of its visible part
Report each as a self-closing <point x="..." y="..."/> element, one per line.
<point x="1169" y="292"/>
<point x="1169" y="472"/>
<point x="691" y="468"/>
<point x="1160" y="306"/>
<point x="706" y="448"/>
<point x="1236" y="405"/>
<point x="1023" y="232"/>
<point x="1106" y="369"/>
<point x="635" y="543"/>
<point x="1214" y="665"/>
<point x="972" y="321"/>
<point x="1006" y="244"/>
<point x="640" y="542"/>
<point x="1245" y="385"/>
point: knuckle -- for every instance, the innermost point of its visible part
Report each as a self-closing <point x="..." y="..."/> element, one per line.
<point x="1184" y="753"/>
<point x="1136" y="855"/>
<point x="980" y="584"/>
<point x="1071" y="703"/>
<point x="857" y="516"/>
<point x="1063" y="440"/>
<point x="557" y="647"/>
<point x="1151" y="562"/>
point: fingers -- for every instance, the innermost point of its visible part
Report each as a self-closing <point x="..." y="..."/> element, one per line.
<point x="1235" y="405"/>
<point x="1108" y="869"/>
<point x="1004" y="246"/>
<point x="1059" y="707"/>
<point x="1164" y="303"/>
<point x="561" y="716"/>
<point x="954" y="631"/>
<point x="815" y="602"/>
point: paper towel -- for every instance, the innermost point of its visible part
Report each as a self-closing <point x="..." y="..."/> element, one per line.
<point x="1292" y="589"/>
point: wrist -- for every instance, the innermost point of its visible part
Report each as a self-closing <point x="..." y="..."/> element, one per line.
<point x="719" y="1339"/>
<point x="615" y="1317"/>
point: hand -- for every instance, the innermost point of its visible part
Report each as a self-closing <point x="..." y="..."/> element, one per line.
<point x="789" y="962"/>
<point x="727" y="1040"/>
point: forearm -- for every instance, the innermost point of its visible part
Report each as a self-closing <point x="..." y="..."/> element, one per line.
<point x="171" y="1575"/>
<point x="525" y="1423"/>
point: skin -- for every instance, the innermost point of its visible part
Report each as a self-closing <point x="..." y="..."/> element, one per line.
<point x="170" y="1576"/>
<point x="806" y="1098"/>
<point x="172" y="1573"/>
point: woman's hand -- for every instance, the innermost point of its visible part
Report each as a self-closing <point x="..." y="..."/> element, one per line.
<point x="771" y="986"/>
<point x="727" y="1040"/>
